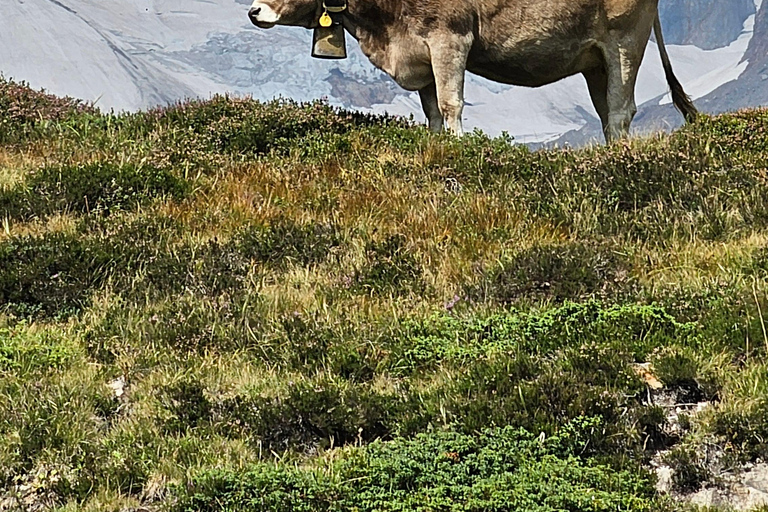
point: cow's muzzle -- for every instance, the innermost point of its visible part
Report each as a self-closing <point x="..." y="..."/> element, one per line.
<point x="253" y="15"/>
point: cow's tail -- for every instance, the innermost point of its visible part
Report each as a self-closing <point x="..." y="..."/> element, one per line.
<point x="681" y="100"/>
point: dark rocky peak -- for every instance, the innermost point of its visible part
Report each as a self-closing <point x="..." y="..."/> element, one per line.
<point x="708" y="24"/>
<point x="757" y="53"/>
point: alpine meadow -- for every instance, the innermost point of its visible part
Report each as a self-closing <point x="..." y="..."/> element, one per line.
<point x="244" y="306"/>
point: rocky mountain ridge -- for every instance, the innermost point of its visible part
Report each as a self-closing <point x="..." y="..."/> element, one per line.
<point x="707" y="24"/>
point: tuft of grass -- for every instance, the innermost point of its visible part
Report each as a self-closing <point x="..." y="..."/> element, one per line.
<point x="390" y="268"/>
<point x="24" y="351"/>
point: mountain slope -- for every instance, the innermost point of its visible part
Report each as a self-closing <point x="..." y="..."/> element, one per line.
<point x="751" y="88"/>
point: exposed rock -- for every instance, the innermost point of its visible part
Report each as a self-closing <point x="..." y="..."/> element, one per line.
<point x="749" y="90"/>
<point x="745" y="491"/>
<point x="35" y="492"/>
<point x="757" y="53"/>
<point x="361" y="92"/>
<point x="663" y="478"/>
<point x="117" y="386"/>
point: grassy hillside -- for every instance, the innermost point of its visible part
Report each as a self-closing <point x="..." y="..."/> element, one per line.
<point x="232" y="305"/>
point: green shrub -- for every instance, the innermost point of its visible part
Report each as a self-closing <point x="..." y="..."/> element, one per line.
<point x="497" y="469"/>
<point x="679" y="368"/>
<point x="632" y="329"/>
<point x="185" y="405"/>
<point x="56" y="273"/>
<point x="101" y="187"/>
<point x="559" y="271"/>
<point x="209" y="270"/>
<point x="244" y="126"/>
<point x="737" y="132"/>
<point x="50" y="275"/>
<point x="321" y="412"/>
<point x="24" y="111"/>
<point x="745" y="428"/>
<point x="339" y="350"/>
<point x="690" y="468"/>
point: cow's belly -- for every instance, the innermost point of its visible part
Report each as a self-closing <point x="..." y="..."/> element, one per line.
<point x="533" y="65"/>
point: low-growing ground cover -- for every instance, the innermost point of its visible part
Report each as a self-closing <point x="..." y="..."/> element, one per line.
<point x="231" y="305"/>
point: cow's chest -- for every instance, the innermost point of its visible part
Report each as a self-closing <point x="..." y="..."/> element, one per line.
<point x="402" y="56"/>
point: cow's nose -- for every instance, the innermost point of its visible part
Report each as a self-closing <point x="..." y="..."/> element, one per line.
<point x="253" y="14"/>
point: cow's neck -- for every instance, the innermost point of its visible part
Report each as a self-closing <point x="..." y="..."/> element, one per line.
<point x="372" y="22"/>
<point x="386" y="40"/>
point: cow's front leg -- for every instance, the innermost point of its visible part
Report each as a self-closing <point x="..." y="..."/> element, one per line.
<point x="428" y="97"/>
<point x="449" y="62"/>
<point x="622" y="62"/>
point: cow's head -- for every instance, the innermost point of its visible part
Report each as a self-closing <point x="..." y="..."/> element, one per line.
<point x="268" y="13"/>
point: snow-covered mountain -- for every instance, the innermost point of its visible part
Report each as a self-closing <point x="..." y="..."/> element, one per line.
<point x="134" y="54"/>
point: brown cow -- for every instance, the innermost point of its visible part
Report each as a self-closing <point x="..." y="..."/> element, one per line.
<point x="427" y="46"/>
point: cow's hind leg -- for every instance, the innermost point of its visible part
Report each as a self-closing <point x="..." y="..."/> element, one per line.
<point x="597" y="82"/>
<point x="431" y="108"/>
<point x="449" y="62"/>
